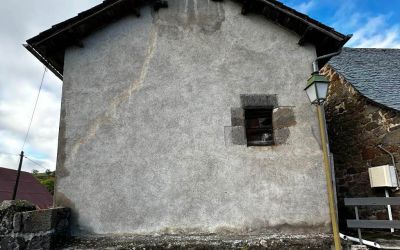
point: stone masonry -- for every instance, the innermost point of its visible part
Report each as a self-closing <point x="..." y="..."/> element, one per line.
<point x="23" y="227"/>
<point x="356" y="126"/>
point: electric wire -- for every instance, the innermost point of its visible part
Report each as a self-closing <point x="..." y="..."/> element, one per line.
<point x="34" y="108"/>
<point x="38" y="164"/>
<point x="5" y="153"/>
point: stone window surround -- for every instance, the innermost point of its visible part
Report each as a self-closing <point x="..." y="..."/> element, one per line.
<point x="282" y="118"/>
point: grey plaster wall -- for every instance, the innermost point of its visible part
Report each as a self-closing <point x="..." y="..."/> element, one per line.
<point x="145" y="104"/>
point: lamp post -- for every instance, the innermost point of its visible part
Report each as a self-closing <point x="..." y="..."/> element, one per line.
<point x="317" y="90"/>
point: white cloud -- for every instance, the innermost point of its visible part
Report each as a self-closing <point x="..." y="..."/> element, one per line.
<point x="20" y="75"/>
<point x="15" y="113"/>
<point x="376" y="33"/>
<point x="369" y="30"/>
<point x="305" y="7"/>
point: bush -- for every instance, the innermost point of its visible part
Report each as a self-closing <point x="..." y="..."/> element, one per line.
<point x="46" y="179"/>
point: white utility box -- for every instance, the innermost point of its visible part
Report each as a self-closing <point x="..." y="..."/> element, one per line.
<point x="382" y="176"/>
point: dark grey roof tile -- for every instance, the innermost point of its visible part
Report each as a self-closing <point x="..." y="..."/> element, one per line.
<point x="375" y="73"/>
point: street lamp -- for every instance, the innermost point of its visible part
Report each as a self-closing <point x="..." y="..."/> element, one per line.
<point x="317" y="88"/>
<point x="317" y="91"/>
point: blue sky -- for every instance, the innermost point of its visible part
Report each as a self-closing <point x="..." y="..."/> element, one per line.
<point x="374" y="23"/>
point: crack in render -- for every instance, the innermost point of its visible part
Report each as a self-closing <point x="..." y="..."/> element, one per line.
<point x="120" y="98"/>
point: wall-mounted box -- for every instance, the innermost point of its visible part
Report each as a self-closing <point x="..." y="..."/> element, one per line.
<point x="382" y="176"/>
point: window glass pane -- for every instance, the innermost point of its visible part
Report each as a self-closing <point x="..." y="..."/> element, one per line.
<point x="259" y="131"/>
<point x="265" y="122"/>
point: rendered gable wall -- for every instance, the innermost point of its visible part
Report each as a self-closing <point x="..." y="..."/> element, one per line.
<point x="147" y="143"/>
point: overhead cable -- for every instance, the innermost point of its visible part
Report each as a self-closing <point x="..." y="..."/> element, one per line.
<point x="35" y="162"/>
<point x="34" y="108"/>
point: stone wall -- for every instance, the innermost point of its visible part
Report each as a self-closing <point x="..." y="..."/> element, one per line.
<point x="23" y="227"/>
<point x="356" y="126"/>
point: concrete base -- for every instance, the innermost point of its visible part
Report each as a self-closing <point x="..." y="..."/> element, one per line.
<point x="288" y="242"/>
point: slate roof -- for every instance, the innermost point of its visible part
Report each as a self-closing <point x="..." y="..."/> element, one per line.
<point x="375" y="73"/>
<point x="49" y="46"/>
<point x="29" y="188"/>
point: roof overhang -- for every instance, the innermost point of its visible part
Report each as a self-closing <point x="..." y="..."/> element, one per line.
<point x="49" y="46"/>
<point x="324" y="38"/>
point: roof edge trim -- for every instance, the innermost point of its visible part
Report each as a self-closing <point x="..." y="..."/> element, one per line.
<point x="43" y="60"/>
<point x="79" y="21"/>
<point x="332" y="33"/>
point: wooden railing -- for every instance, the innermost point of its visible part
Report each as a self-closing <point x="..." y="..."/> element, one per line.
<point x="372" y="201"/>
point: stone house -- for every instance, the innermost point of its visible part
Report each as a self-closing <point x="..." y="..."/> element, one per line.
<point x="363" y="112"/>
<point x="189" y="117"/>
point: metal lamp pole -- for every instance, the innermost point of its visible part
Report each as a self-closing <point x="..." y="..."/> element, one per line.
<point x="317" y="91"/>
<point x="328" y="176"/>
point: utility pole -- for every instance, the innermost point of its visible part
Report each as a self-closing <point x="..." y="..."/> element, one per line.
<point x="21" y="158"/>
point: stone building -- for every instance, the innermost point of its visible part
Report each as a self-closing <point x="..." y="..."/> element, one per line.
<point x="363" y="112"/>
<point x="189" y="117"/>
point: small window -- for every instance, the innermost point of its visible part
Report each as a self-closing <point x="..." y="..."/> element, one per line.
<point x="259" y="131"/>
